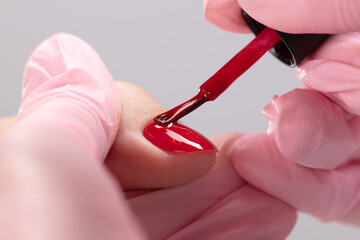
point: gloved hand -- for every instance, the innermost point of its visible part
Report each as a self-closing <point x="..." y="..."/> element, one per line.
<point x="310" y="156"/>
<point x="54" y="185"/>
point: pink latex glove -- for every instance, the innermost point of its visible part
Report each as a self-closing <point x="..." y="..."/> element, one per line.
<point x="54" y="186"/>
<point x="220" y="205"/>
<point x="310" y="156"/>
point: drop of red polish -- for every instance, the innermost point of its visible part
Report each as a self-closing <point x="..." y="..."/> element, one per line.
<point x="176" y="138"/>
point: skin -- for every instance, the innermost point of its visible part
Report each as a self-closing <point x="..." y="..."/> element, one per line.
<point x="144" y="166"/>
<point x="136" y="163"/>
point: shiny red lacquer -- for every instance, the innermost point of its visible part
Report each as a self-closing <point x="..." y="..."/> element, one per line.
<point x="176" y="138"/>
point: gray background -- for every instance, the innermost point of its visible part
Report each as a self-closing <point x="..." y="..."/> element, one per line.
<point x="164" y="46"/>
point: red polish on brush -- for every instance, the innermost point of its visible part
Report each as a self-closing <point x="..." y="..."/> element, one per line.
<point x="168" y="135"/>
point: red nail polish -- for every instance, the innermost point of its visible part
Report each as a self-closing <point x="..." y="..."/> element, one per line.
<point x="176" y="138"/>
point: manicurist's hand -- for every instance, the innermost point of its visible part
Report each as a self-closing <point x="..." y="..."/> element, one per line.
<point x="310" y="156"/>
<point x="75" y="165"/>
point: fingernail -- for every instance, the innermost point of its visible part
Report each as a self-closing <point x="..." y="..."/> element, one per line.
<point x="176" y="138"/>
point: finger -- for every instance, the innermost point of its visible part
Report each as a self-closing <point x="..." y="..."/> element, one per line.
<point x="69" y="93"/>
<point x="51" y="178"/>
<point x="47" y="193"/>
<point x="312" y="130"/>
<point x="334" y="69"/>
<point x="220" y="202"/>
<point x="318" y="192"/>
<point x="225" y="14"/>
<point x="246" y="214"/>
<point x="353" y="217"/>
<point x="174" y="208"/>
<point x="316" y="16"/>
<point x="136" y="162"/>
<point x="316" y="129"/>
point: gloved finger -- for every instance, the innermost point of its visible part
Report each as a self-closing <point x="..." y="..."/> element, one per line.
<point x="334" y="70"/>
<point x="51" y="178"/>
<point x="247" y="214"/>
<point x="311" y="16"/>
<point x="225" y="14"/>
<point x="50" y="193"/>
<point x="220" y="202"/>
<point x="68" y="92"/>
<point x="327" y="194"/>
<point x="311" y="130"/>
<point x="139" y="163"/>
<point x="321" y="129"/>
<point x="136" y="162"/>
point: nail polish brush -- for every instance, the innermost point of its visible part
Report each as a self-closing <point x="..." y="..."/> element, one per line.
<point x="291" y="49"/>
<point x="167" y="134"/>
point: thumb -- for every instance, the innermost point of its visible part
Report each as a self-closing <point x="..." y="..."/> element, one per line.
<point x="225" y="14"/>
<point x="53" y="187"/>
<point x="309" y="16"/>
<point x="69" y="93"/>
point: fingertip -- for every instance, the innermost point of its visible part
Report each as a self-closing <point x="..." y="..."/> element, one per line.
<point x="334" y="69"/>
<point x="139" y="164"/>
<point x="306" y="126"/>
<point x="225" y="14"/>
<point x="67" y="88"/>
<point x="292" y="16"/>
<point x="258" y="160"/>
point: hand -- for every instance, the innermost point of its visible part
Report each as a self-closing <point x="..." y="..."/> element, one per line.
<point x="54" y="185"/>
<point x="310" y="156"/>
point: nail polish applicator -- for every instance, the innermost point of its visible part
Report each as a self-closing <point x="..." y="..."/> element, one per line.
<point x="291" y="49"/>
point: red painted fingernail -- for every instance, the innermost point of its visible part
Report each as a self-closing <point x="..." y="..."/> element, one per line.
<point x="176" y="138"/>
